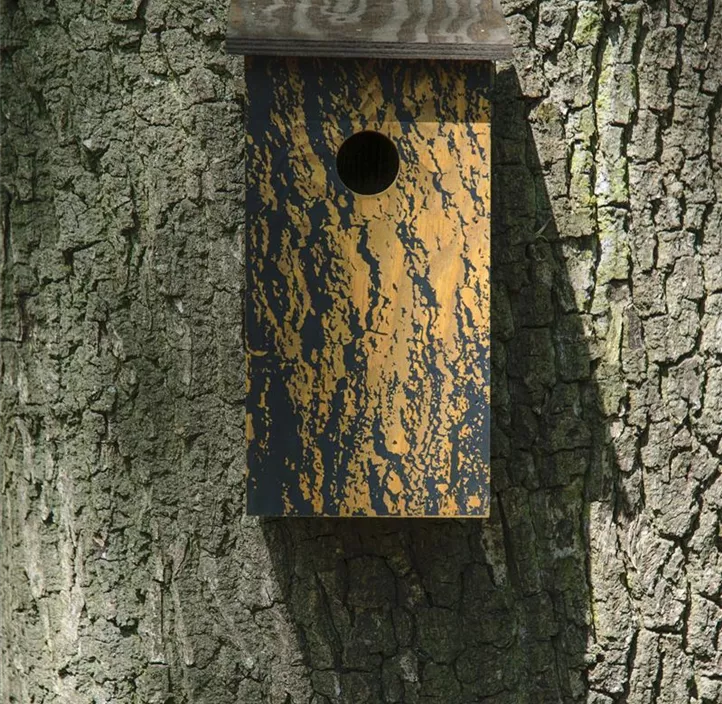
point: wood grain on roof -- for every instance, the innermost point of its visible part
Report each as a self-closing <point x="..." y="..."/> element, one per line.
<point x="461" y="29"/>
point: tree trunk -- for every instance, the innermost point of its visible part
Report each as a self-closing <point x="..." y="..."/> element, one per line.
<point x="128" y="572"/>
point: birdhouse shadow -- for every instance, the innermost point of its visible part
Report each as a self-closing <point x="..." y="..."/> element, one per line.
<point x="434" y="610"/>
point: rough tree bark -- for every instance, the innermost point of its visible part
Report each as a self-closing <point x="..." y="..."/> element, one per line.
<point x="128" y="572"/>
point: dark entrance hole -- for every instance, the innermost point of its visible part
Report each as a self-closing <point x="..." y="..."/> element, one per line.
<point x="367" y="163"/>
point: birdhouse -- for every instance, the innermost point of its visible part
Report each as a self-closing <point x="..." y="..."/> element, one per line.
<point x="367" y="254"/>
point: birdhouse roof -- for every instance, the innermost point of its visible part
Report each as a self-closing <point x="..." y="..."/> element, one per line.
<point x="451" y="29"/>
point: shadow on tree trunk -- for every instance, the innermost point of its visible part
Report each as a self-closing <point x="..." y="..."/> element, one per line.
<point x="498" y="610"/>
<point x="128" y="571"/>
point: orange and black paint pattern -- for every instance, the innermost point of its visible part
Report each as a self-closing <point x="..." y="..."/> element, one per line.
<point x="368" y="316"/>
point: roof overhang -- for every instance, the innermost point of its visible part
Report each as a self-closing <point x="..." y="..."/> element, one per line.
<point x="436" y="29"/>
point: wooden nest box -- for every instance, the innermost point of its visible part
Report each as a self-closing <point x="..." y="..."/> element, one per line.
<point x="367" y="246"/>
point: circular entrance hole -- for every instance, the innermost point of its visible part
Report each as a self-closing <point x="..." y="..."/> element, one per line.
<point x="367" y="163"/>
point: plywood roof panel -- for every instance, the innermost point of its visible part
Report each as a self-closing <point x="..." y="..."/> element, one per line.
<point x="462" y="29"/>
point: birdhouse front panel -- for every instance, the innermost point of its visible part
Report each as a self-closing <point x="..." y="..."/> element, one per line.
<point x="367" y="245"/>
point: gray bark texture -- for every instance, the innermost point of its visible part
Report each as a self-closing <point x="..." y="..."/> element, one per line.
<point x="128" y="572"/>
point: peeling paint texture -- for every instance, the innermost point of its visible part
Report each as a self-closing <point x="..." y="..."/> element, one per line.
<point x="128" y="572"/>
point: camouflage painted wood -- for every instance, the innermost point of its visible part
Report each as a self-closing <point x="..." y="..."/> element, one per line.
<point x="368" y="315"/>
